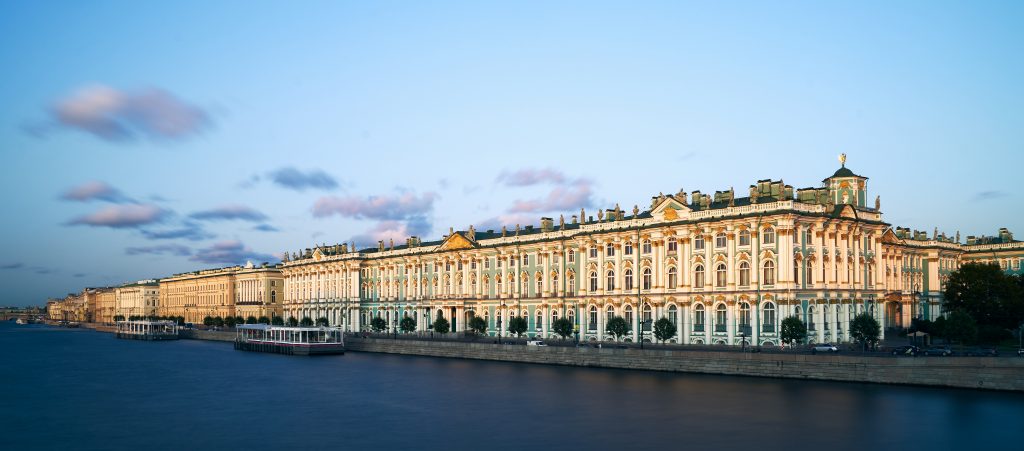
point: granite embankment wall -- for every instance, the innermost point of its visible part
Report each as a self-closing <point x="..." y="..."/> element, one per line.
<point x="963" y="372"/>
<point x="211" y="335"/>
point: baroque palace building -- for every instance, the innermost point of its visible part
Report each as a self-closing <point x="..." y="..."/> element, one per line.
<point x="724" y="269"/>
<point x="244" y="291"/>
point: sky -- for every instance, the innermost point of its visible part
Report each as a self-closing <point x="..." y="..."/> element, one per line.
<point x="143" y="139"/>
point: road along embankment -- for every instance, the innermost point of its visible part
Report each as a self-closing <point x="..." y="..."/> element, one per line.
<point x="961" y="372"/>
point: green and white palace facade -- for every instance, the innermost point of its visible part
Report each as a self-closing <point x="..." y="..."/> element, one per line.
<point x="724" y="269"/>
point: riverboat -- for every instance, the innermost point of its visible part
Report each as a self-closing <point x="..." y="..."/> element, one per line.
<point x="289" y="340"/>
<point x="21" y="321"/>
<point x="147" y="330"/>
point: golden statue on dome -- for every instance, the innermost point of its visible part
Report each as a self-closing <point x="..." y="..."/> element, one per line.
<point x="842" y="159"/>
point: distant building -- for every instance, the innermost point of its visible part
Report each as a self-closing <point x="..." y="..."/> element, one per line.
<point x="141" y="298"/>
<point x="232" y="291"/>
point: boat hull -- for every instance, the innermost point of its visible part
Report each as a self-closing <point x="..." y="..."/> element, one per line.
<point x="291" y="348"/>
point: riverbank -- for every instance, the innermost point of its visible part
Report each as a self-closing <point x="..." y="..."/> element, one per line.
<point x="960" y="372"/>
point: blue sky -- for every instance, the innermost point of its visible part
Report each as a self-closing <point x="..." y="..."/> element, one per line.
<point x="145" y="139"/>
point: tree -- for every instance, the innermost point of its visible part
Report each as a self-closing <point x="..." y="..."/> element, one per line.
<point x="306" y="322"/>
<point x="563" y="327"/>
<point x="793" y="330"/>
<point x="218" y="321"/>
<point x="441" y="325"/>
<point x="118" y="317"/>
<point x="478" y="325"/>
<point x="181" y="319"/>
<point x="250" y="320"/>
<point x="230" y="321"/>
<point x="939" y="327"/>
<point x="517" y="325"/>
<point x="323" y="322"/>
<point x="208" y="321"/>
<point x="961" y="327"/>
<point x="865" y="330"/>
<point x="292" y="322"/>
<point x="407" y="324"/>
<point x="263" y="320"/>
<point x="987" y="294"/>
<point x="664" y="329"/>
<point x="277" y="321"/>
<point x="239" y="320"/>
<point x="617" y="327"/>
<point x="378" y="324"/>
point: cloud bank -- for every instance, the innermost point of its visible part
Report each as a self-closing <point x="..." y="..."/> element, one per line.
<point x="292" y="178"/>
<point x="228" y="213"/>
<point x="95" y="190"/>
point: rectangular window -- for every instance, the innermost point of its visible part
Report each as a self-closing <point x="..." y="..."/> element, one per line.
<point x="672" y="245"/>
<point x="698" y="243"/>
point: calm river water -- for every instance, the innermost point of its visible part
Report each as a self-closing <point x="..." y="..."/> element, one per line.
<point x="80" y="389"/>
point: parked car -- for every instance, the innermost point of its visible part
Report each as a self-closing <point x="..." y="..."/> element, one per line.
<point x="982" y="352"/>
<point x="938" y="351"/>
<point x="824" y="347"/>
<point x="536" y="343"/>
<point x="906" y="350"/>
<point x="1020" y="352"/>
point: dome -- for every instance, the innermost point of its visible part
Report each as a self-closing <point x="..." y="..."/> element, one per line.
<point x="844" y="172"/>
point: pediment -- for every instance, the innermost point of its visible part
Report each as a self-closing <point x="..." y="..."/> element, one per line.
<point x="847" y="211"/>
<point x="670" y="209"/>
<point x="457" y="242"/>
<point x="317" y="255"/>
<point x="889" y="237"/>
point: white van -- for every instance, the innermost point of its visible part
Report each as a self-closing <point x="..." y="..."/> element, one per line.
<point x="535" y="343"/>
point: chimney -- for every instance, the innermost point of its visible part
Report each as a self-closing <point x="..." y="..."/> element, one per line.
<point x="547" y="224"/>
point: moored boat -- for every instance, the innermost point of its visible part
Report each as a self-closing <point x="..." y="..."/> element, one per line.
<point x="289" y="340"/>
<point x="21" y="321"/>
<point x="147" y="330"/>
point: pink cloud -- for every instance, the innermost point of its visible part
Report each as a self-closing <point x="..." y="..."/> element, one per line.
<point x="123" y="216"/>
<point x="375" y="207"/>
<point x="529" y="177"/>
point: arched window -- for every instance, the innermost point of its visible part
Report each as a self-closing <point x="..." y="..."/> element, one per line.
<point x="571" y="315"/>
<point x="673" y="314"/>
<point x="720" y="275"/>
<point x="593" y="318"/>
<point x="810" y="318"/>
<point x="627" y="248"/>
<point x="646" y="279"/>
<point x="796" y="272"/>
<point x="768" y="237"/>
<point x="273" y="297"/>
<point x="628" y="279"/>
<point x="808" y="272"/>
<point x="593" y="281"/>
<point x="609" y="314"/>
<point x="744" y="314"/>
<point x="646" y="318"/>
<point x="525" y="285"/>
<point x="720" y="315"/>
<point x="744" y="274"/>
<point x="571" y="256"/>
<point x="646" y="247"/>
<point x="609" y="250"/>
<point x="593" y="252"/>
<point x="610" y="280"/>
<point x="768" y="314"/>
<point x="698" y="318"/>
<point x="571" y="284"/>
<point x="720" y="241"/>
<point x="825" y="315"/>
<point x="698" y="276"/>
<point x="540" y="284"/>
<point x="744" y="238"/>
<point x="629" y="315"/>
<point x="672" y="278"/>
<point x="768" y="274"/>
<point x="497" y="285"/>
<point x="540" y="320"/>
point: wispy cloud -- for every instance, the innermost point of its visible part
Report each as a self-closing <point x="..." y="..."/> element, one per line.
<point x="117" y="115"/>
<point x="266" y="228"/>
<point x="397" y="207"/>
<point x="393" y="230"/>
<point x="295" y="179"/>
<point x="571" y="196"/>
<point x="164" y="249"/>
<point x="530" y="177"/>
<point x="123" y="216"/>
<point x="188" y="231"/>
<point x="229" y="212"/>
<point x="17" y="265"/>
<point x="990" y="195"/>
<point x="231" y="252"/>
<point x="95" y="190"/>
<point x="508" y="220"/>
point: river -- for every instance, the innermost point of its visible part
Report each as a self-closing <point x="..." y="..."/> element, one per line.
<point x="81" y="389"/>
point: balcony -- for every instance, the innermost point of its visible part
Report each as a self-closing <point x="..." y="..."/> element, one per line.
<point x="719" y="328"/>
<point x="768" y="328"/>
<point x="698" y="328"/>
